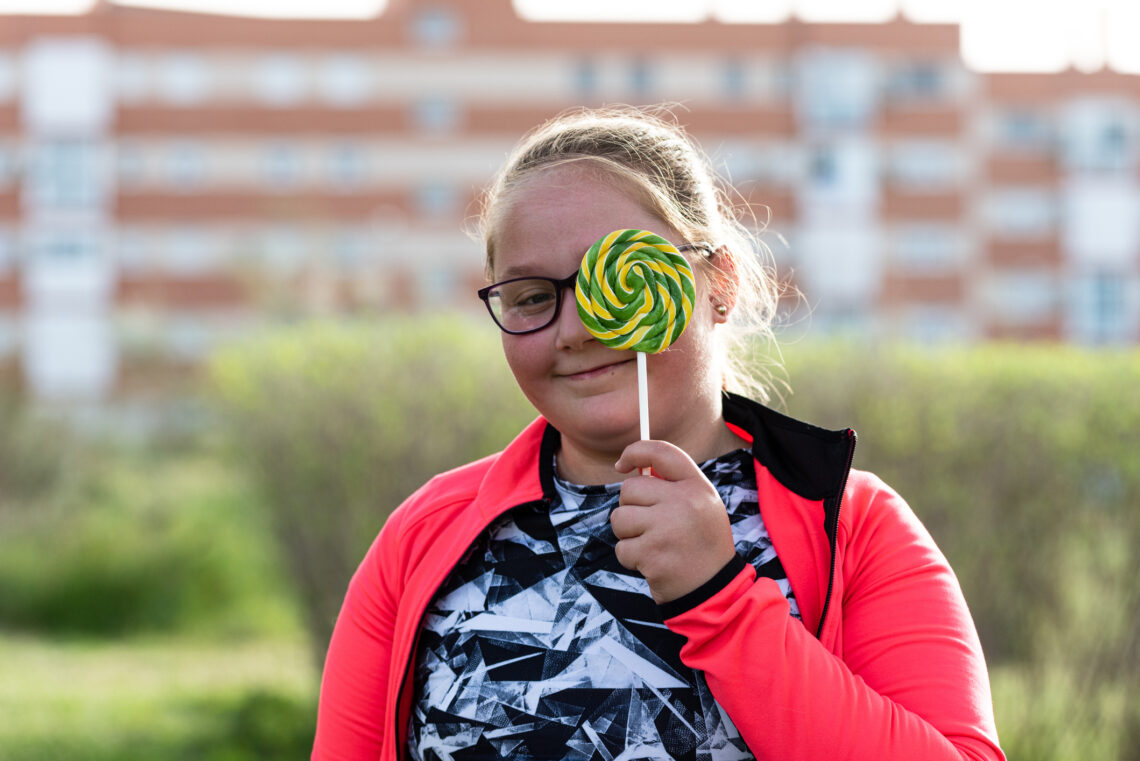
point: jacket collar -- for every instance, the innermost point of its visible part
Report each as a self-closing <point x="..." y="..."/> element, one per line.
<point x="810" y="461"/>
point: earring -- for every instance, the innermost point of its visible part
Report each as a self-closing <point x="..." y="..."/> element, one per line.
<point x="721" y="309"/>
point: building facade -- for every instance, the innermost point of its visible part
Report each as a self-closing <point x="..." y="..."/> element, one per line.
<point x="168" y="180"/>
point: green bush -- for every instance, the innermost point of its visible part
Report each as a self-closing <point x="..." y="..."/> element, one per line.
<point x="1022" y="463"/>
<point x="33" y="452"/>
<point x="340" y="422"/>
<point x="132" y="542"/>
<point x="264" y="726"/>
<point x="1012" y="456"/>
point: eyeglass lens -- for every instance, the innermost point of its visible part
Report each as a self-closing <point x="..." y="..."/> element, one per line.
<point x="524" y="305"/>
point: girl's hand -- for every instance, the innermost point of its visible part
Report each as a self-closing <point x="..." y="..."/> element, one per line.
<point x="671" y="527"/>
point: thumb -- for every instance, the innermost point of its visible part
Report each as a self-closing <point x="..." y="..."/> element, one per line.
<point x="666" y="460"/>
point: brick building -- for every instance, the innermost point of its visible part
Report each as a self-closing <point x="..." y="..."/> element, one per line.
<point x="169" y="179"/>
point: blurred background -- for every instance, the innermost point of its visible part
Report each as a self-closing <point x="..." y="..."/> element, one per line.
<point x="238" y="322"/>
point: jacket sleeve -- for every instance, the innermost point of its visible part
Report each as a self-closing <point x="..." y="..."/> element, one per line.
<point x="355" y="681"/>
<point x="910" y="681"/>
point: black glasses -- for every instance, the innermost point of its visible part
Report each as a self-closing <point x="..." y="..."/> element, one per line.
<point x="529" y="304"/>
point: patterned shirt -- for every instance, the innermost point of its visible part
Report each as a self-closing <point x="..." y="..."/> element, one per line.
<point x="540" y="645"/>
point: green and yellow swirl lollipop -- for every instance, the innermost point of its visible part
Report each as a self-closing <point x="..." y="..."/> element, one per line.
<point x="635" y="291"/>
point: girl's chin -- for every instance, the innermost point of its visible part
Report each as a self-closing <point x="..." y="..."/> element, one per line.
<point x="610" y="420"/>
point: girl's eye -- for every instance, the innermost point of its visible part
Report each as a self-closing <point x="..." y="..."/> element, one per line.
<point x="534" y="299"/>
<point x="529" y="299"/>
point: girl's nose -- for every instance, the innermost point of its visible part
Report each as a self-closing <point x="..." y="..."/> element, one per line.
<point x="570" y="333"/>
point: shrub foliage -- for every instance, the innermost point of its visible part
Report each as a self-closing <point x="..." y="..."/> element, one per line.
<point x="1022" y="463"/>
<point x="341" y="422"/>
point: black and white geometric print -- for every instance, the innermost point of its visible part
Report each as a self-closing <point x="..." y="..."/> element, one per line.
<point x="542" y="646"/>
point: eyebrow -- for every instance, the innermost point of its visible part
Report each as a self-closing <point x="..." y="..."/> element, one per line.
<point x="512" y="272"/>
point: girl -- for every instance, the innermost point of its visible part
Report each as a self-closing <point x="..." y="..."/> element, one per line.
<point x="754" y="597"/>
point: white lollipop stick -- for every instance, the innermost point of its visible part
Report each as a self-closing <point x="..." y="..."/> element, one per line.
<point x="643" y="399"/>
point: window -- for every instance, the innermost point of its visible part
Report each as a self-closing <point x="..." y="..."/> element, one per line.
<point x="280" y="167"/>
<point x="188" y="251"/>
<point x="186" y="166"/>
<point x="925" y="165"/>
<point x="1023" y="297"/>
<point x="733" y="79"/>
<point x="283" y="249"/>
<point x="928" y="248"/>
<point x="64" y="248"/>
<point x="279" y="81"/>
<point x="435" y="114"/>
<point x="1099" y="136"/>
<point x="1023" y="129"/>
<point x="1021" y="212"/>
<point x="837" y="88"/>
<point x="132" y="250"/>
<point x="1105" y="307"/>
<point x="346" y="166"/>
<point x="782" y="163"/>
<point x="777" y="77"/>
<point x="842" y="172"/>
<point x="65" y="174"/>
<point x="344" y="80"/>
<point x="640" y="78"/>
<point x="436" y="199"/>
<point x="130" y="165"/>
<point x="586" y="78"/>
<point x="436" y="27"/>
<point x="823" y="170"/>
<point x="841" y="263"/>
<point x="183" y="79"/>
<point x="917" y="81"/>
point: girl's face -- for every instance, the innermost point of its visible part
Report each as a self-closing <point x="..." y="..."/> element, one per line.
<point x="585" y="389"/>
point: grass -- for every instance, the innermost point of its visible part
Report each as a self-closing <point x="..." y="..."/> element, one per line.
<point x="150" y="699"/>
<point x="180" y="699"/>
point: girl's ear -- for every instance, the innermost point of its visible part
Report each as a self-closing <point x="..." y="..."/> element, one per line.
<point x="724" y="281"/>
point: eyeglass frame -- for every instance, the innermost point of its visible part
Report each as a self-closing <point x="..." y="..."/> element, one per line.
<point x="560" y="285"/>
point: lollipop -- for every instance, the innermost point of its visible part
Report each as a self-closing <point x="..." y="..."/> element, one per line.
<point x="635" y="291"/>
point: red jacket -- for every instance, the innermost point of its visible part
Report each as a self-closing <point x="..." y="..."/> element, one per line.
<point x="885" y="665"/>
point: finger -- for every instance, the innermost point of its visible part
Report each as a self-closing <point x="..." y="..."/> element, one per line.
<point x="645" y="491"/>
<point x="628" y="521"/>
<point x="667" y="460"/>
<point x="628" y="552"/>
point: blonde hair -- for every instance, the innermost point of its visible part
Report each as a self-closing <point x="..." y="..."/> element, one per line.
<point x="678" y="184"/>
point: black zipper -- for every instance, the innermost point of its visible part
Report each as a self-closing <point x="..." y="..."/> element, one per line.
<point x="833" y="530"/>
<point x="411" y="659"/>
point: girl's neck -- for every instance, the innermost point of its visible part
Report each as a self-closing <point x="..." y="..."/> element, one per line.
<point x="586" y="465"/>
